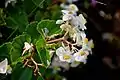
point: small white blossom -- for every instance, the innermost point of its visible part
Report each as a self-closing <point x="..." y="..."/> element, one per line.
<point x="67" y="17"/>
<point x="59" y="21"/>
<point x="81" y="56"/>
<point x="88" y="45"/>
<point x="56" y="63"/>
<point x="91" y="44"/>
<point x="64" y="55"/>
<point x="4" y="67"/>
<point x="66" y="12"/>
<point x="27" y="47"/>
<point x="82" y="19"/>
<point x="81" y="22"/>
<point x="76" y="21"/>
<point x="66" y="27"/>
<point x="73" y="7"/>
<point x="79" y="37"/>
<point x="9" y="69"/>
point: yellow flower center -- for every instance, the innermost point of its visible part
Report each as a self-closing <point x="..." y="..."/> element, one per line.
<point x="82" y="53"/>
<point x="66" y="57"/>
<point x="70" y="12"/>
<point x="86" y="40"/>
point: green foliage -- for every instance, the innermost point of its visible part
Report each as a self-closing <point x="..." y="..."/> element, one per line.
<point x="17" y="19"/>
<point x="5" y="49"/>
<point x="21" y="73"/>
<point x="32" y="31"/>
<point x="2" y="17"/>
<point x="43" y="53"/>
<point x="50" y="25"/>
<point x="25" y="22"/>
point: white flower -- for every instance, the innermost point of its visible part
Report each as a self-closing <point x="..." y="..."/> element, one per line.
<point x="64" y="55"/>
<point x="81" y="22"/>
<point x="70" y="9"/>
<point x="27" y="47"/>
<point x="56" y="63"/>
<point x="88" y="45"/>
<point x="59" y="21"/>
<point x="91" y="44"/>
<point x="9" y="69"/>
<point x="66" y="12"/>
<point x="66" y="27"/>
<point x="79" y="37"/>
<point x="4" y="67"/>
<point x="73" y="7"/>
<point x="81" y="56"/>
<point x="76" y="21"/>
<point x="82" y="19"/>
<point x="67" y="17"/>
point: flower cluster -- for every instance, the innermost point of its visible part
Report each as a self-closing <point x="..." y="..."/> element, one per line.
<point x="75" y="46"/>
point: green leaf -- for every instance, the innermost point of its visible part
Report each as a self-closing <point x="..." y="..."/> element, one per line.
<point x="17" y="19"/>
<point x="50" y="25"/>
<point x="29" y="6"/>
<point x="32" y="31"/>
<point x="40" y="78"/>
<point x="43" y="53"/>
<point x="5" y="49"/>
<point x="26" y="75"/>
<point x="38" y="15"/>
<point x="21" y="73"/>
<point x="18" y="44"/>
<point x="32" y="5"/>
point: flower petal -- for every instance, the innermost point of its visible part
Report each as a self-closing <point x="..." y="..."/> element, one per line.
<point x="60" y="51"/>
<point x="59" y="21"/>
<point x="73" y="7"/>
<point x="66" y="17"/>
<point x="3" y="66"/>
